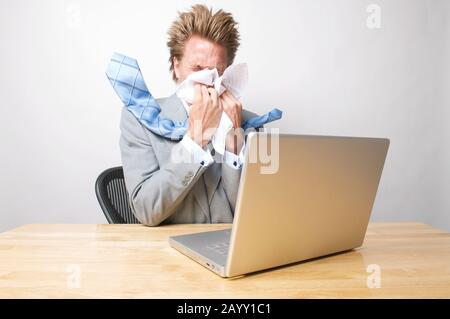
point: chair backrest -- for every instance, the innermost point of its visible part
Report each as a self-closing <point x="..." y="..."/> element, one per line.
<point x="112" y="196"/>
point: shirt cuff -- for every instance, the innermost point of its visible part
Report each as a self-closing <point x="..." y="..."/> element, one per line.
<point x="233" y="160"/>
<point x="198" y="154"/>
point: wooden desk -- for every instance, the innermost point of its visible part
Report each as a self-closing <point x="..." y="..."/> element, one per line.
<point x="136" y="261"/>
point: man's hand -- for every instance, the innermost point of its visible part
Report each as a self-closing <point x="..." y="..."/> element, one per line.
<point x="233" y="108"/>
<point x="204" y="114"/>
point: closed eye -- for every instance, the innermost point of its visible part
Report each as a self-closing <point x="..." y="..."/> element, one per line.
<point x="197" y="68"/>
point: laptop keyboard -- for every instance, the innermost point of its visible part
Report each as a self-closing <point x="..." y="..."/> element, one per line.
<point x="220" y="248"/>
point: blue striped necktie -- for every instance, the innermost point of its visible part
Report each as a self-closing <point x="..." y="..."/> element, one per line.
<point x="126" y="78"/>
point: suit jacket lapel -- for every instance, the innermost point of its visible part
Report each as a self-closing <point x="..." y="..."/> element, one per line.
<point x="173" y="108"/>
<point x="212" y="177"/>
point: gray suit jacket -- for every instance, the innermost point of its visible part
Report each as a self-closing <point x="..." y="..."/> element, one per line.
<point x="163" y="190"/>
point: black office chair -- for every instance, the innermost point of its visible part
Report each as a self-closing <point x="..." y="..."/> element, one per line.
<point x="113" y="197"/>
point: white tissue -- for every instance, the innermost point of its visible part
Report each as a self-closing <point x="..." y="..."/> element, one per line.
<point x="234" y="79"/>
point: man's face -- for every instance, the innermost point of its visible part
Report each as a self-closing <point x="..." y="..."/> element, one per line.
<point x="200" y="54"/>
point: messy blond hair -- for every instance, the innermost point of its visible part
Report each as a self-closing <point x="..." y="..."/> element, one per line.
<point x="218" y="27"/>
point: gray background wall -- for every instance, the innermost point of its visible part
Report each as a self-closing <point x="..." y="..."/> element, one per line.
<point x="317" y="60"/>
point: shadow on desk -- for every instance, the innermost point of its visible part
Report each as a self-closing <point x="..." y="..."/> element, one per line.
<point x="357" y="260"/>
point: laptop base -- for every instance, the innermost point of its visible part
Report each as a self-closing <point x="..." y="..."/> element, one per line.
<point x="209" y="249"/>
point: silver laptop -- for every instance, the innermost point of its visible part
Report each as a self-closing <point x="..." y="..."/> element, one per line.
<point x="312" y="197"/>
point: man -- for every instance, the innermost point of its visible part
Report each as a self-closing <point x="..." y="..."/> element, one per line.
<point x="204" y="189"/>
